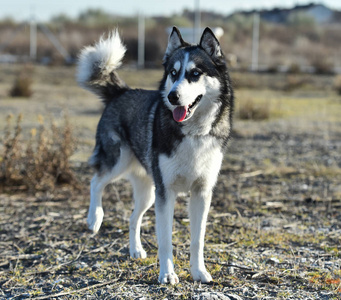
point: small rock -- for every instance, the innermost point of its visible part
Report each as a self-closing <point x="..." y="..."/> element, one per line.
<point x="96" y="266"/>
<point x="257" y="275"/>
<point x="272" y="261"/>
<point x="328" y="264"/>
<point x="304" y="187"/>
<point x="81" y="265"/>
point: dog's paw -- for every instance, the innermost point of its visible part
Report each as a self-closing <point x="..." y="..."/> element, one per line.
<point x="170" y="278"/>
<point x="138" y="253"/>
<point x="95" y="218"/>
<point x="201" y="275"/>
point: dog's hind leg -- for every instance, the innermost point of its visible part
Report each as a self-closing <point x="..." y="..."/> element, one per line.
<point x="119" y="158"/>
<point x="144" y="197"/>
<point x="95" y="215"/>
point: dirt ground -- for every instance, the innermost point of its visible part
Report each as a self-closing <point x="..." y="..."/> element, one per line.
<point x="274" y="228"/>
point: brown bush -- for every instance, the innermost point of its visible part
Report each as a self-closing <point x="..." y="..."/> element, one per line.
<point x="251" y="110"/>
<point x="337" y="84"/>
<point x="322" y="66"/>
<point x="294" y="68"/>
<point x="22" y="86"/>
<point x="40" y="164"/>
<point x="293" y="82"/>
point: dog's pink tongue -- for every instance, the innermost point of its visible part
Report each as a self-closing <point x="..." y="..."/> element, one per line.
<point x="179" y="113"/>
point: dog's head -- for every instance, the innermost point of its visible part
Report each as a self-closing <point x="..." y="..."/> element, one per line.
<point x="194" y="75"/>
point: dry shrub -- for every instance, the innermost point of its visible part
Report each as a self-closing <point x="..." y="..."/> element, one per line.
<point x="273" y="69"/>
<point x="293" y="82"/>
<point x="294" y="68"/>
<point x="322" y="66"/>
<point x="22" y="86"/>
<point x="40" y="164"/>
<point x="337" y="84"/>
<point x="251" y="110"/>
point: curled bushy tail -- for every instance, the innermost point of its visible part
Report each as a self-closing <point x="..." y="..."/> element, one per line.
<point x="97" y="65"/>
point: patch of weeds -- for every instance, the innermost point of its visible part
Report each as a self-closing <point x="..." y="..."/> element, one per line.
<point x="283" y="295"/>
<point x="319" y="170"/>
<point x="36" y="293"/>
<point x="215" y="269"/>
<point x="253" y="238"/>
<point x="22" y="86"/>
<point x="324" y="281"/>
<point x="42" y="162"/>
<point x="332" y="250"/>
<point x="147" y="261"/>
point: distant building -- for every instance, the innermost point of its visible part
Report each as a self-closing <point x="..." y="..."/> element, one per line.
<point x="318" y="12"/>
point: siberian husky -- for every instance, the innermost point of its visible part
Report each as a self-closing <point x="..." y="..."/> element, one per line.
<point x="166" y="142"/>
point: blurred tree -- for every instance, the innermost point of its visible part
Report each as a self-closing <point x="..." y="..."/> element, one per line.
<point x="61" y="19"/>
<point x="7" y="21"/>
<point x="301" y="19"/>
<point x="95" y="17"/>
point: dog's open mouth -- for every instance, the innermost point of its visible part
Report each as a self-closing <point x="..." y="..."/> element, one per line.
<point x="181" y="113"/>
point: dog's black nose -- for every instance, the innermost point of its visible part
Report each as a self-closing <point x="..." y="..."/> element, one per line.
<point x="173" y="97"/>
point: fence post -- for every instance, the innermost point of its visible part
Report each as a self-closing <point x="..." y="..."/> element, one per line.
<point x="255" y="42"/>
<point x="141" y="41"/>
<point x="33" y="39"/>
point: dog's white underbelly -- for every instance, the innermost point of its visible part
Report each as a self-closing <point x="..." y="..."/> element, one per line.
<point x="197" y="159"/>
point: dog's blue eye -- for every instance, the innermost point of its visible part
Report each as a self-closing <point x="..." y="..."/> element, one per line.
<point x="173" y="72"/>
<point x="196" y="73"/>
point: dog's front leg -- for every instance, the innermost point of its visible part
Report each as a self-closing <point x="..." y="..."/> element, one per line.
<point x="164" y="210"/>
<point x="198" y="210"/>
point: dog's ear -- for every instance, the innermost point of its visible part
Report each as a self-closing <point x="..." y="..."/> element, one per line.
<point x="175" y="41"/>
<point x="210" y="44"/>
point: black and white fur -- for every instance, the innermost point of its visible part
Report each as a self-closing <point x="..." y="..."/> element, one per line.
<point x="165" y="142"/>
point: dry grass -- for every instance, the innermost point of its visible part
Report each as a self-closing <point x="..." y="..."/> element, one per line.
<point x="42" y="162"/>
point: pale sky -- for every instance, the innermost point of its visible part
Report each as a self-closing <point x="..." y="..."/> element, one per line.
<point x="43" y="10"/>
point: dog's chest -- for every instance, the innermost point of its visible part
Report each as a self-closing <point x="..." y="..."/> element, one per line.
<point x="194" y="159"/>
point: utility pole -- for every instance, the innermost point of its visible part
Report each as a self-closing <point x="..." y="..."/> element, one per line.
<point x="33" y="38"/>
<point x="255" y="42"/>
<point x="197" y="21"/>
<point x="141" y="41"/>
